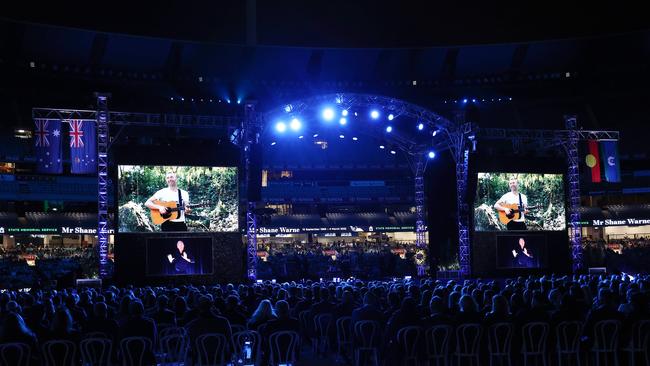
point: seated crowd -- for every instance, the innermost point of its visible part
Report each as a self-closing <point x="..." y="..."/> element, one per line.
<point x="335" y="318"/>
<point x="617" y="255"/>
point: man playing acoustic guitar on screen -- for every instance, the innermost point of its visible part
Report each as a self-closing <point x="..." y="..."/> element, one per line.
<point x="169" y="205"/>
<point x="512" y="206"/>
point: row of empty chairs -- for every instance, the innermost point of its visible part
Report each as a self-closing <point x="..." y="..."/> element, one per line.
<point x="438" y="345"/>
<point x="173" y="348"/>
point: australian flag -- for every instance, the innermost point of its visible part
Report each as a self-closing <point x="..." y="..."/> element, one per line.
<point x="47" y="142"/>
<point x="83" y="146"/>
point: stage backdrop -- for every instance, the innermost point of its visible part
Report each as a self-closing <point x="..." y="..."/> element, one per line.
<point x="228" y="258"/>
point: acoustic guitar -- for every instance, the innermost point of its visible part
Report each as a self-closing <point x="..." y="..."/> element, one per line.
<point x="173" y="211"/>
<point x="515" y="213"/>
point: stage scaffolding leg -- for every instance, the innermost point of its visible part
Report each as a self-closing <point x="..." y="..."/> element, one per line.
<point x="459" y="141"/>
<point x="420" y="223"/>
<point x="102" y="179"/>
<point x="573" y="178"/>
<point x="250" y="138"/>
<point x="464" y="257"/>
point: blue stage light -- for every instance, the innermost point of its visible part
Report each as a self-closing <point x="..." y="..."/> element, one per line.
<point x="238" y="101"/>
<point x="354" y="138"/>
<point x="465" y="100"/>
<point x="315" y="135"/>
<point x="341" y="136"/>
<point x="301" y="136"/>
<point x="473" y="100"/>
<point x="420" y="126"/>
<point x="374" y="114"/>
<point x="343" y="121"/>
<point x="281" y="127"/>
<point x="393" y="152"/>
<point x="431" y="155"/>
<point x="273" y="143"/>
<point x="288" y="108"/>
<point x="344" y="113"/>
<point x="382" y="146"/>
<point x="295" y="124"/>
<point x="389" y="129"/>
<point x="228" y="101"/>
<point x="391" y="117"/>
<point x="172" y="99"/>
<point x="328" y="114"/>
<point x="182" y="99"/>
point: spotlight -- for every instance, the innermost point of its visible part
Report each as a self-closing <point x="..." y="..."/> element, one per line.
<point x="238" y="101"/>
<point x="356" y="114"/>
<point x="389" y="129"/>
<point x="328" y="114"/>
<point x="374" y="114"/>
<point x="295" y="124"/>
<point x="288" y="108"/>
<point x="510" y="98"/>
<point x="281" y="127"/>
<point x="473" y="100"/>
<point x="182" y="99"/>
<point x="301" y="136"/>
<point x="393" y="152"/>
<point x="354" y="138"/>
<point x="464" y="100"/>
<point x="391" y="117"/>
<point x="435" y="133"/>
<point x="172" y="99"/>
<point x="273" y="143"/>
<point x="343" y="121"/>
<point x="421" y="126"/>
<point x="228" y="101"/>
<point x="382" y="146"/>
<point x="344" y="113"/>
<point x="315" y="135"/>
<point x="341" y="136"/>
<point x="431" y="155"/>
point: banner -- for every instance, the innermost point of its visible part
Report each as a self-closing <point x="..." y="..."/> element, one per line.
<point x="47" y="142"/>
<point x="610" y="162"/>
<point x="83" y="146"/>
<point x="592" y="161"/>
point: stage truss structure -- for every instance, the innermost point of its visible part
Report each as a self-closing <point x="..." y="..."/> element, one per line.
<point x="104" y="119"/>
<point x="458" y="136"/>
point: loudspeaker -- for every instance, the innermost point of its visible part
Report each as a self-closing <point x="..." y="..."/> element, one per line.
<point x="597" y="270"/>
<point x="89" y="282"/>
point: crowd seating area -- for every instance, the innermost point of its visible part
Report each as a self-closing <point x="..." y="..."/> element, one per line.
<point x="360" y="258"/>
<point x="568" y="320"/>
<point x="618" y="255"/>
<point x="62" y="265"/>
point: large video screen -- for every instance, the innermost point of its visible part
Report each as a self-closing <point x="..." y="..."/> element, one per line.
<point x="519" y="201"/>
<point x="179" y="256"/>
<point x="521" y="251"/>
<point x="177" y="198"/>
